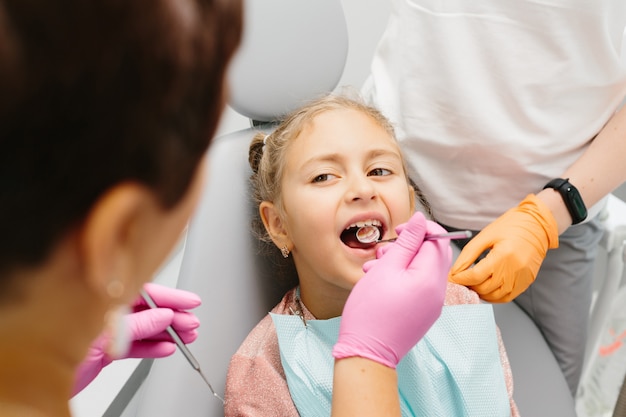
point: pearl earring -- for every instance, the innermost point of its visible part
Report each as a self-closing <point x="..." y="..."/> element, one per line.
<point x="284" y="251"/>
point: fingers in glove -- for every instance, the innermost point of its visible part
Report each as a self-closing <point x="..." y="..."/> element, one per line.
<point x="432" y="228"/>
<point x="184" y="321"/>
<point x="151" y="349"/>
<point x="473" y="275"/>
<point x="369" y="264"/>
<point x="403" y="250"/>
<point x="491" y="282"/>
<point x="500" y="296"/>
<point x="187" y="336"/>
<point x="437" y="256"/>
<point x="173" y="298"/>
<point x="474" y="251"/>
<point x="380" y="251"/>
<point x="149" y="323"/>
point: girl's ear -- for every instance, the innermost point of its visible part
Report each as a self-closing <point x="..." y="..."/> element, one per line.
<point x="274" y="225"/>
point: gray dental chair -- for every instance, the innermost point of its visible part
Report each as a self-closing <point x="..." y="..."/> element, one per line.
<point x="293" y="51"/>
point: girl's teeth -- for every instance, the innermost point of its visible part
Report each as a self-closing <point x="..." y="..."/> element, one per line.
<point x="365" y="223"/>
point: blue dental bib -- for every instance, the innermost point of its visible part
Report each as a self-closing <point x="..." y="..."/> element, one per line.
<point x="454" y="371"/>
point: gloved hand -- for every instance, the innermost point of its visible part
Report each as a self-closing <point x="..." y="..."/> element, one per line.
<point x="147" y="327"/>
<point x="518" y="241"/>
<point x="399" y="298"/>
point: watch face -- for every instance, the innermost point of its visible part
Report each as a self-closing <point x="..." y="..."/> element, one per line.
<point x="575" y="204"/>
<point x="578" y="206"/>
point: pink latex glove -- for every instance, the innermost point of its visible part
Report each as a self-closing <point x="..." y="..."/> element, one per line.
<point x="147" y="327"/>
<point x="399" y="298"/>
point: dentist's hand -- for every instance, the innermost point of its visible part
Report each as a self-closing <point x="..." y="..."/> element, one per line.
<point x="517" y="242"/>
<point x="147" y="327"/>
<point x="399" y="298"/>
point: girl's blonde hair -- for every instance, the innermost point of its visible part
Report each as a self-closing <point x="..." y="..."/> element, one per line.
<point x="268" y="152"/>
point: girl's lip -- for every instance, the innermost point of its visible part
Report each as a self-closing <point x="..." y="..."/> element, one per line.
<point x="365" y="254"/>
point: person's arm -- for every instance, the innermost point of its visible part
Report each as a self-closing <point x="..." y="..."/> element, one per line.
<point x="599" y="171"/>
<point x="519" y="239"/>
<point x="362" y="387"/>
<point x="388" y="311"/>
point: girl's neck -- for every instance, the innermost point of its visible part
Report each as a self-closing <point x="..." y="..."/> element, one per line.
<point x="321" y="302"/>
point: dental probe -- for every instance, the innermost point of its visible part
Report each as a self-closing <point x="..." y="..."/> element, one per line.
<point x="181" y="345"/>
<point x="463" y="234"/>
<point x="370" y="234"/>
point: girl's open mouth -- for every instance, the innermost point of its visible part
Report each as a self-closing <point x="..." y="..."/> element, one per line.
<point x="368" y="234"/>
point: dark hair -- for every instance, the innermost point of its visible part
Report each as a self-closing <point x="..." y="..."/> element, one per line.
<point x="98" y="92"/>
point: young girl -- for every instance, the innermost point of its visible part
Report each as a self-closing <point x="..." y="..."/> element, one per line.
<point x="328" y="169"/>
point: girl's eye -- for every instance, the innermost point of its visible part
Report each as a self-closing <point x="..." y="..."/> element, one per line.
<point x="379" y="172"/>
<point x="322" y="177"/>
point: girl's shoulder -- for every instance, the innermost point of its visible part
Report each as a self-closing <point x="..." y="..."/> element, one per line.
<point x="262" y="340"/>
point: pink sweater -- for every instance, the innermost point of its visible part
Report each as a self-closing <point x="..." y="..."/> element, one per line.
<point x="256" y="385"/>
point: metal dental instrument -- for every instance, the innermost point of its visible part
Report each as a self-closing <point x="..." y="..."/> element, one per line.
<point x="181" y="345"/>
<point x="371" y="234"/>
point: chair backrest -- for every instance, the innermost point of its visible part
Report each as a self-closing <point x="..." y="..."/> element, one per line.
<point x="293" y="51"/>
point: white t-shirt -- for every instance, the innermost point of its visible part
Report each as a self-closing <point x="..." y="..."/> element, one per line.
<point x="493" y="98"/>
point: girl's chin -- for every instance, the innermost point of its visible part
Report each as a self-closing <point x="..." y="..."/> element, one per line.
<point x="355" y="276"/>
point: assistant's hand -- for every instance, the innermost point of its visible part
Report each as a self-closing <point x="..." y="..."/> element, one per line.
<point x="147" y="327"/>
<point x="518" y="241"/>
<point x="399" y="297"/>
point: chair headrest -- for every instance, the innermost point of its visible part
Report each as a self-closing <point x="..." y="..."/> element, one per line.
<point x="292" y="51"/>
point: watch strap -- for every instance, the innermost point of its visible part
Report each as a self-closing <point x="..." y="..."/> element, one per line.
<point x="571" y="197"/>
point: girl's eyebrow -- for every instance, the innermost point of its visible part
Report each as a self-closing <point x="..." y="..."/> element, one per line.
<point x="335" y="157"/>
<point x="331" y="157"/>
<point x="374" y="153"/>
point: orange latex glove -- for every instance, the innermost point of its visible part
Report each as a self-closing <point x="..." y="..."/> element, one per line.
<point x="518" y="241"/>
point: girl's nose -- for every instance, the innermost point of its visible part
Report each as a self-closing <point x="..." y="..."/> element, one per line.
<point x="361" y="188"/>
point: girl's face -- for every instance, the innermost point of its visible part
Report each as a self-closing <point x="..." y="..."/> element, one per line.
<point x="343" y="170"/>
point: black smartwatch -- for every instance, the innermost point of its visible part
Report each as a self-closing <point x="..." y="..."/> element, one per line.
<point x="571" y="197"/>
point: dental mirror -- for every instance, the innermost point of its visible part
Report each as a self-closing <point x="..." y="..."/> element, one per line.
<point x="368" y="234"/>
